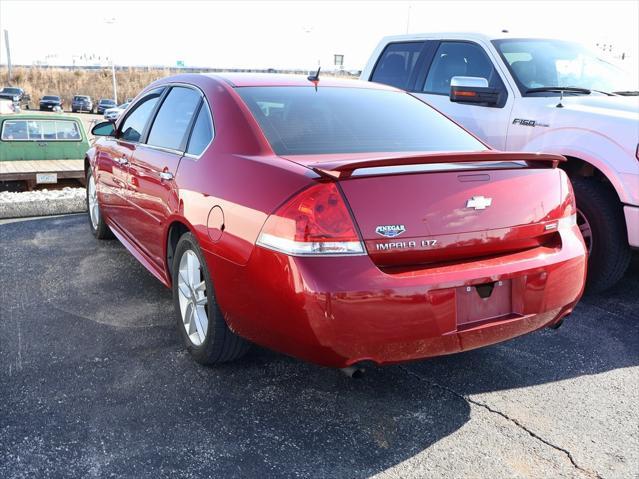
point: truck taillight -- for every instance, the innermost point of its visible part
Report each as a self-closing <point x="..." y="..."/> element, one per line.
<point x="314" y="222"/>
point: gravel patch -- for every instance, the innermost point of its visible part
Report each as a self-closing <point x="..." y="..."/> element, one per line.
<point x="42" y="202"/>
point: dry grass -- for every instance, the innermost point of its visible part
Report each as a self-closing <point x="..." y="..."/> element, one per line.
<point x="67" y="83"/>
<point x="95" y="83"/>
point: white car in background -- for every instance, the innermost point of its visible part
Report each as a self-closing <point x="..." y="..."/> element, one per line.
<point x="115" y="112"/>
<point x="543" y="95"/>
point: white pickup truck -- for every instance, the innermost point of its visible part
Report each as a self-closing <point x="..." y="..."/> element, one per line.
<point x="539" y="95"/>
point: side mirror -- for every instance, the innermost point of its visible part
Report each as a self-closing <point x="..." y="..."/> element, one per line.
<point x="473" y="90"/>
<point x="104" y="128"/>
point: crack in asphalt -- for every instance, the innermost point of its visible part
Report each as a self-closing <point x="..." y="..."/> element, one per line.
<point x="485" y="406"/>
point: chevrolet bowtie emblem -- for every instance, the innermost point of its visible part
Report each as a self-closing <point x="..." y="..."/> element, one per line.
<point x="479" y="202"/>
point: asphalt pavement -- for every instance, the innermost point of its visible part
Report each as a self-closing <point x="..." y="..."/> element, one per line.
<point x="94" y="382"/>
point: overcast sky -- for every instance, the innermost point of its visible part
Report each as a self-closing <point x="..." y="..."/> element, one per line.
<point x="286" y="34"/>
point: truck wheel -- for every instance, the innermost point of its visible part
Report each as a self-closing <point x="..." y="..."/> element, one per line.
<point x="200" y="320"/>
<point x="99" y="228"/>
<point x="601" y="221"/>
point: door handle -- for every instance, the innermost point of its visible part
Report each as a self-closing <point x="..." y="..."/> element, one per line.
<point x="122" y="161"/>
<point x="166" y="175"/>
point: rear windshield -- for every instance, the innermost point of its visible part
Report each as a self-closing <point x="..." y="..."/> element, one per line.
<point x="40" y="130"/>
<point x="306" y="121"/>
<point x="107" y="102"/>
<point x="11" y="90"/>
<point x="52" y="98"/>
<point x="80" y="98"/>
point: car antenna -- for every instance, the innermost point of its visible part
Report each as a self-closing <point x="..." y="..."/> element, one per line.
<point x="561" y="99"/>
<point x="314" y="77"/>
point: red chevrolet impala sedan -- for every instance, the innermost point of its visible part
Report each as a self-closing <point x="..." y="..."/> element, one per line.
<point x="335" y="221"/>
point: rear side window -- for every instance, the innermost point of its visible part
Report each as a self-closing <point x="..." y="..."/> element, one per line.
<point x="305" y="121"/>
<point x="135" y="122"/>
<point x="174" y="118"/>
<point x="459" y="59"/>
<point x="397" y="63"/>
<point x="202" y="133"/>
<point x="41" y="130"/>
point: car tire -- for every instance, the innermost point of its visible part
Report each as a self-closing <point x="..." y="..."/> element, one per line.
<point x="204" y="331"/>
<point x="601" y="221"/>
<point x="99" y="228"/>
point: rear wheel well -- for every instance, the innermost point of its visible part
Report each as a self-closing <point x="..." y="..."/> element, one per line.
<point x="176" y="230"/>
<point x="578" y="168"/>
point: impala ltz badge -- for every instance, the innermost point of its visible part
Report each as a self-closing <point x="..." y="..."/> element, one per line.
<point x="479" y="202"/>
<point x="390" y="231"/>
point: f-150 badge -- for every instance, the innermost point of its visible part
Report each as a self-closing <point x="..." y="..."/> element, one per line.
<point x="390" y="231"/>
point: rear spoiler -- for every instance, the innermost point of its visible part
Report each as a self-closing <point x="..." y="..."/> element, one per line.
<point x="345" y="168"/>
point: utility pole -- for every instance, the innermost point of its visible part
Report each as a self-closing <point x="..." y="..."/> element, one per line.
<point x="111" y="21"/>
<point x="6" y="42"/>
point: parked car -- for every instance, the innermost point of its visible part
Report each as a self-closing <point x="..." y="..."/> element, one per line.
<point x="51" y="103"/>
<point x="82" y="103"/>
<point x="103" y="104"/>
<point x="17" y="95"/>
<point x="543" y="95"/>
<point x="114" y="113"/>
<point x="335" y="221"/>
<point x="41" y="148"/>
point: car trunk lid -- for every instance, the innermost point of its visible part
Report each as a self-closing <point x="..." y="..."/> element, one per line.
<point x="443" y="207"/>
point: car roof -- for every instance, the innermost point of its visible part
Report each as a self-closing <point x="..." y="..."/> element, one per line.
<point x="485" y="36"/>
<point x="279" y="79"/>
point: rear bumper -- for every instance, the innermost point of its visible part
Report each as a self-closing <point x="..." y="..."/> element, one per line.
<point x="337" y="311"/>
<point x="632" y="223"/>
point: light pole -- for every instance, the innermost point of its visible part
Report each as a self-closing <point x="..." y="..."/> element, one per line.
<point x="111" y="21"/>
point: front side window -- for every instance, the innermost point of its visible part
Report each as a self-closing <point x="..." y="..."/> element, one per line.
<point x="459" y="59"/>
<point x="41" y="130"/>
<point x="174" y="118"/>
<point x="202" y="133"/>
<point x="133" y="126"/>
<point x="397" y="63"/>
<point x="537" y="63"/>
<point x="304" y="121"/>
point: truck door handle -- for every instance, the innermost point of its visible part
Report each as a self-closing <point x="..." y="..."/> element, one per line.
<point x="166" y="175"/>
<point x="122" y="161"/>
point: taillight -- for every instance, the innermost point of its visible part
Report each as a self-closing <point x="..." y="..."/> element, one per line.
<point x="568" y="213"/>
<point x="314" y="222"/>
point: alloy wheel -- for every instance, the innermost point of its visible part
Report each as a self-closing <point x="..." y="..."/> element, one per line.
<point x="586" y="230"/>
<point x="94" y="210"/>
<point x="192" y="297"/>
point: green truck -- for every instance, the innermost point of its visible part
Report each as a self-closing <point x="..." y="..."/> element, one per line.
<point x="41" y="148"/>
